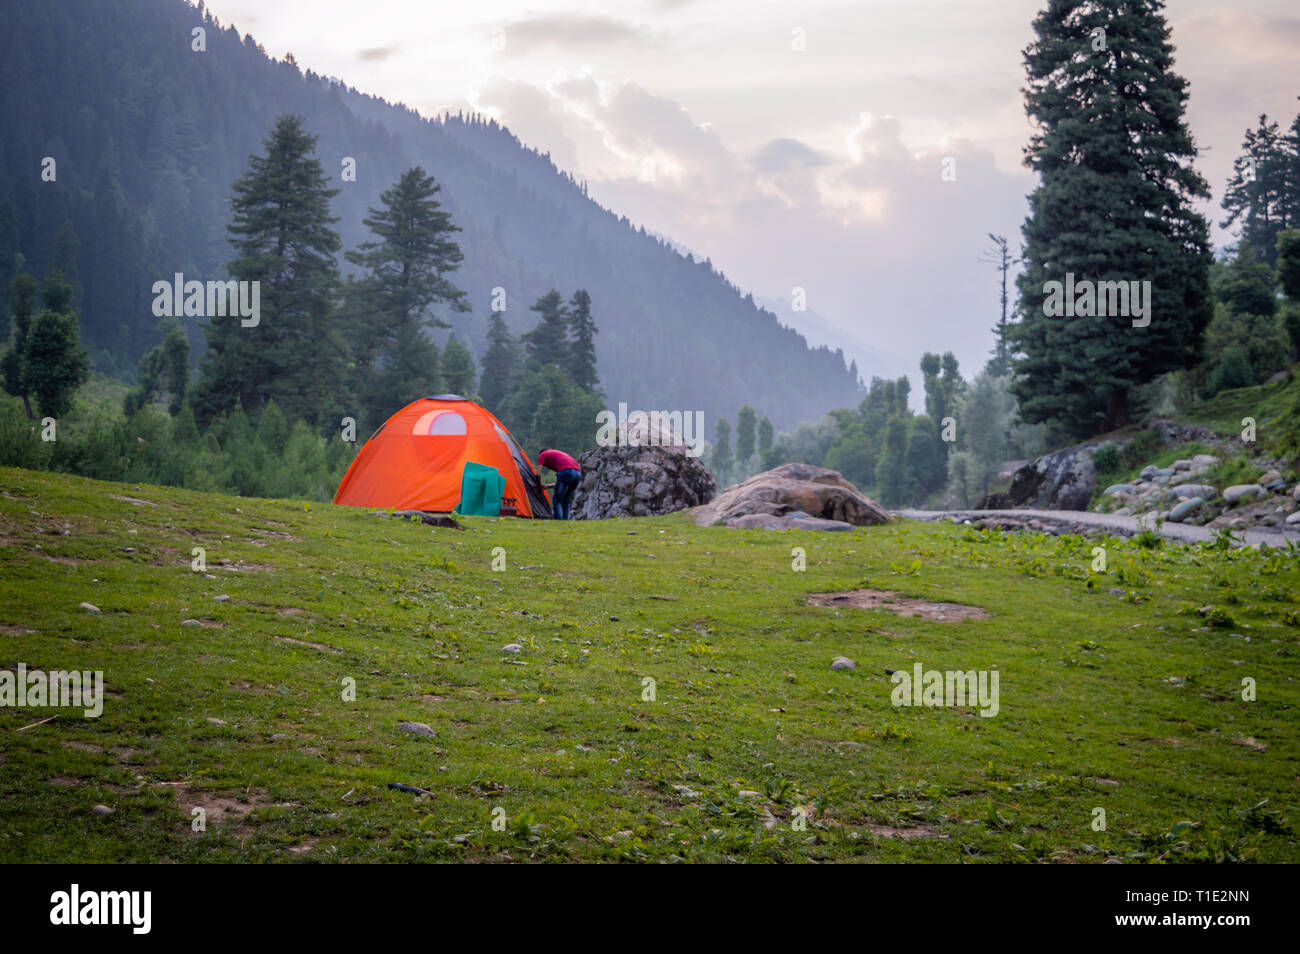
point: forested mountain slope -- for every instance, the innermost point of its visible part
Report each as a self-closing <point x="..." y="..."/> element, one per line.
<point x="148" y="135"/>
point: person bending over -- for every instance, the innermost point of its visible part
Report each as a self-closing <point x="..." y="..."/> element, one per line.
<point x="568" y="474"/>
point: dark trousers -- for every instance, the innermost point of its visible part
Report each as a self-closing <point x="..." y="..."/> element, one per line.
<point x="566" y="482"/>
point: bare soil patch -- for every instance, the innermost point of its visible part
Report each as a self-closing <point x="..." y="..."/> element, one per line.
<point x="902" y="605"/>
<point x="302" y="642"/>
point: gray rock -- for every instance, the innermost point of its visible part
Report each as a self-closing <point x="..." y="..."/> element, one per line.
<point x="512" y="648"/>
<point x="428" y="519"/>
<point x="1185" y="509"/>
<point x="635" y="481"/>
<point x="88" y="607"/>
<point x="1148" y="471"/>
<point x="223" y="598"/>
<point x="1181" y="465"/>
<point x="1243" y="492"/>
<point x="1204" y="460"/>
<point x="1269" y="478"/>
<point x="1276" y="485"/>
<point x="1114" y="489"/>
<point x="1061" y="480"/>
<point x="417" y="728"/>
<point x="843" y="662"/>
<point x="799" y="492"/>
<point x="102" y="810"/>
<point x="1204" y="491"/>
<point x="1296" y="492"/>
<point x="190" y="622"/>
<point x="1294" y="518"/>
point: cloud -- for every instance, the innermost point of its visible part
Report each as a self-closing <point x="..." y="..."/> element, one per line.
<point x="377" y="54"/>
<point x="531" y="115"/>
<point x="783" y="155"/>
<point x="570" y="32"/>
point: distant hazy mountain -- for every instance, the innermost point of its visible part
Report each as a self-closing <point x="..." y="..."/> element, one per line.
<point x="819" y="332"/>
<point x="148" y="134"/>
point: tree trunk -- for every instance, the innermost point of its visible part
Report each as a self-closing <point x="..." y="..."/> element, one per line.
<point x="1116" y="410"/>
<point x="27" y="403"/>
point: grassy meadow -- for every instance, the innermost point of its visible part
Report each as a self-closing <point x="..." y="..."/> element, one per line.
<point x="1119" y="690"/>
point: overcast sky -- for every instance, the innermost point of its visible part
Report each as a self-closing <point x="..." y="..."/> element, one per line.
<point x="796" y="145"/>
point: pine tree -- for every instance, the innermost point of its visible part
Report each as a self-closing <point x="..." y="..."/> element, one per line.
<point x="1114" y="203"/>
<point x="499" y="361"/>
<point x="22" y="304"/>
<point x="67" y="252"/>
<point x="721" y="458"/>
<point x="766" y="434"/>
<point x="547" y="342"/>
<point x="406" y="274"/>
<point x="54" y="364"/>
<point x="407" y="267"/>
<point x="164" y="369"/>
<point x="457" y="368"/>
<point x="891" y="466"/>
<point x="282" y="238"/>
<point x="746" y="435"/>
<point x="582" y="348"/>
<point x="1259" y="194"/>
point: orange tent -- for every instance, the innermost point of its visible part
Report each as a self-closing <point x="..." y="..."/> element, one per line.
<point x="415" y="460"/>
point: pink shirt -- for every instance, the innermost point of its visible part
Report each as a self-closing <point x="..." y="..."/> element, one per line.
<point x="557" y="461"/>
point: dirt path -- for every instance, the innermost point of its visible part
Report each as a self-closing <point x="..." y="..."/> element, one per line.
<point x="1109" y="521"/>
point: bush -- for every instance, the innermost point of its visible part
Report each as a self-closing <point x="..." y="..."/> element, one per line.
<point x="1232" y="371"/>
<point x="20" y="439"/>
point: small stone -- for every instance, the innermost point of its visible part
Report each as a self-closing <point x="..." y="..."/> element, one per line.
<point x="89" y="607"/>
<point x="1116" y="591"/>
<point x="1271" y="477"/>
<point x="512" y="648"/>
<point x="1294" y="518"/>
<point x="1182" y="465"/>
<point x="216" y="721"/>
<point x="1242" y="492"/>
<point x="190" y="622"/>
<point x="102" y="810"/>
<point x="1115" y="489"/>
<point x="1185" y="509"/>
<point x="843" y="662"/>
<point x="279" y="736"/>
<point x="416" y="728"/>
<point x="223" y="598"/>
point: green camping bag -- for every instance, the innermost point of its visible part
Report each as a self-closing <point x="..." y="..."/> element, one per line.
<point x="481" y="489"/>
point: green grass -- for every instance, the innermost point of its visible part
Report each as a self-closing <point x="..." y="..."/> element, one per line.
<point x="1274" y="407"/>
<point x="1129" y="702"/>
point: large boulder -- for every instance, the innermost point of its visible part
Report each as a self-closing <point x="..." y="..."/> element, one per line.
<point x="792" y="494"/>
<point x="635" y="481"/>
<point x="1061" y="480"/>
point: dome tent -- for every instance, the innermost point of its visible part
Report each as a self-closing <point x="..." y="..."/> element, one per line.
<point x="415" y="461"/>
